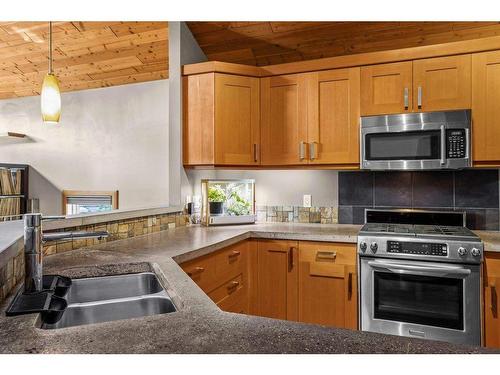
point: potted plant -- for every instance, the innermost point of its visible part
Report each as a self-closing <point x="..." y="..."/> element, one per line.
<point x="238" y="206"/>
<point x="216" y="199"/>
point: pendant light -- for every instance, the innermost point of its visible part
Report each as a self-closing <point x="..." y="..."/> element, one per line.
<point x="51" y="95"/>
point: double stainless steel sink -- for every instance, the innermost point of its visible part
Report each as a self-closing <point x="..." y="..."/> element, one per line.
<point x="104" y="299"/>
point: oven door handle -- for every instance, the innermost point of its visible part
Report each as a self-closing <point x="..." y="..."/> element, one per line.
<point x="421" y="270"/>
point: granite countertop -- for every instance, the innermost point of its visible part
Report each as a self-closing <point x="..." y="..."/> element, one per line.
<point x="198" y="326"/>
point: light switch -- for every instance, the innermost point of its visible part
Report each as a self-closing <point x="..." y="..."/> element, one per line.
<point x="307" y="200"/>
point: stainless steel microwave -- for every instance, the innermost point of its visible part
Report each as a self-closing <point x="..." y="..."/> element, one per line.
<point x="416" y="141"/>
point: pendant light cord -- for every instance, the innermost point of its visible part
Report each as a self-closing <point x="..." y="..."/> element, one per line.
<point x="50" y="47"/>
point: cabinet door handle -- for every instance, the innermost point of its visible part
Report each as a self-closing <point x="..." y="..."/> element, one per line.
<point x="419" y="96"/>
<point x="233" y="285"/>
<point x="494" y="300"/>
<point x="349" y="286"/>
<point x="312" y="151"/>
<point x="302" y="150"/>
<point x="197" y="270"/>
<point x="291" y="258"/>
<point x="406" y="95"/>
<point x="234" y="253"/>
<point x="255" y="158"/>
<point x="326" y="255"/>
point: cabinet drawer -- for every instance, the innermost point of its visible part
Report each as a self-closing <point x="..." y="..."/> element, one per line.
<point x="202" y="271"/>
<point x="231" y="261"/>
<point x="229" y="293"/>
<point x="328" y="253"/>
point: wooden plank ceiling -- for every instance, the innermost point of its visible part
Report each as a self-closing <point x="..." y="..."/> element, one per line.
<point x="267" y="43"/>
<point x="86" y="54"/>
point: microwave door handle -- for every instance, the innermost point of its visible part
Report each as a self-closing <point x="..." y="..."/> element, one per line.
<point x="421" y="270"/>
<point x="443" y="145"/>
<point x="467" y="143"/>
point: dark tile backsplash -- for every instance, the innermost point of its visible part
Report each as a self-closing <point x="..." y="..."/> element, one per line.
<point x="474" y="191"/>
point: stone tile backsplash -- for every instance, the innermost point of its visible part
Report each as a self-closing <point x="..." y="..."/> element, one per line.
<point x="474" y="191"/>
<point x="297" y="214"/>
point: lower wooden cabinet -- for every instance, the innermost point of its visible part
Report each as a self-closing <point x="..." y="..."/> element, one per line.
<point x="491" y="279"/>
<point x="277" y="279"/>
<point x="224" y="276"/>
<point x="327" y="284"/>
<point x="312" y="282"/>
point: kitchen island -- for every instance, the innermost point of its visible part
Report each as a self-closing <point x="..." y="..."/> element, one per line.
<point x="198" y="326"/>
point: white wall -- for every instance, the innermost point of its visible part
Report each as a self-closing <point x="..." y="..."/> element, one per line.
<point x="280" y="187"/>
<point x="108" y="139"/>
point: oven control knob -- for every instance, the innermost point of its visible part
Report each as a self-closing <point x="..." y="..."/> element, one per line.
<point x="475" y="252"/>
<point x="462" y="251"/>
<point x="362" y="246"/>
<point x="373" y="247"/>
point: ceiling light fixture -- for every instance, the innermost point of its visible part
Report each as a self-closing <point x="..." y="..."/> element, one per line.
<point x="50" y="95"/>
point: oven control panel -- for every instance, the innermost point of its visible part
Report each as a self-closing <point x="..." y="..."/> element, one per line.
<point x="420" y="248"/>
<point x="456" y="143"/>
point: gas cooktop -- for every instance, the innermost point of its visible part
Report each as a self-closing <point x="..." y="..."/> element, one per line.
<point x="405" y="234"/>
<point x="418" y="230"/>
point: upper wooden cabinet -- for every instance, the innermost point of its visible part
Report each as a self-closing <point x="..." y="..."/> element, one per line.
<point x="221" y="120"/>
<point x="328" y="284"/>
<point x="386" y="88"/>
<point x="333" y="117"/>
<point x="283" y="120"/>
<point x="311" y="118"/>
<point x="491" y="300"/>
<point x="437" y="84"/>
<point x="486" y="108"/>
<point x="442" y="83"/>
<point x="277" y="279"/>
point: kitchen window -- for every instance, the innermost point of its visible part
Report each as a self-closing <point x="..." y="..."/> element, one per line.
<point x="82" y="202"/>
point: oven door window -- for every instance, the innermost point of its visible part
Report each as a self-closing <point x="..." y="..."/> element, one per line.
<point x="426" y="300"/>
<point x="411" y="145"/>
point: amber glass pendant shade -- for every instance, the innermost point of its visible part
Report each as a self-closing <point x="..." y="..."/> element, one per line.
<point x="51" y="99"/>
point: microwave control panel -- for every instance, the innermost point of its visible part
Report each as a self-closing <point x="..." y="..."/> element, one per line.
<point x="455" y="143"/>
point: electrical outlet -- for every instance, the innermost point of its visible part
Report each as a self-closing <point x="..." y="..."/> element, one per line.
<point x="307" y="200"/>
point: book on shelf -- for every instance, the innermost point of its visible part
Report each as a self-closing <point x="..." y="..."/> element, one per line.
<point x="10" y="184"/>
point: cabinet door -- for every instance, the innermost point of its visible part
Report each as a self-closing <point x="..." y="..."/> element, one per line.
<point x="491" y="300"/>
<point x="284" y="132"/>
<point x="442" y="83"/>
<point x="327" y="284"/>
<point x="333" y="116"/>
<point x="277" y="279"/>
<point x="198" y="119"/>
<point x="486" y="108"/>
<point x="386" y="88"/>
<point x="237" y="123"/>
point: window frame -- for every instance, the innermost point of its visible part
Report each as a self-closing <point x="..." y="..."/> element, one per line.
<point x="69" y="193"/>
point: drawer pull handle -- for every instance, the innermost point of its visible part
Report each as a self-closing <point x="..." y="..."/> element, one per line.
<point x="235" y="253"/>
<point x="196" y="271"/>
<point x="349" y="286"/>
<point x="494" y="301"/>
<point x="233" y="285"/>
<point x="326" y="255"/>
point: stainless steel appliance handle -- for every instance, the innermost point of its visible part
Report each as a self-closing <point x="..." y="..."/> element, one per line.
<point x="406" y="94"/>
<point x="312" y="150"/>
<point x="408" y="269"/>
<point x="467" y="143"/>
<point x="443" y="145"/>
<point x="302" y="150"/>
<point x="419" y="97"/>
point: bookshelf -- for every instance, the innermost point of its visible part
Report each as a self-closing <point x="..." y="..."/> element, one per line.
<point x="13" y="191"/>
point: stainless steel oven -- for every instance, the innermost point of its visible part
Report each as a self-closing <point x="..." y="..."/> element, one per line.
<point x="416" y="141"/>
<point x="421" y="299"/>
<point x="420" y="275"/>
